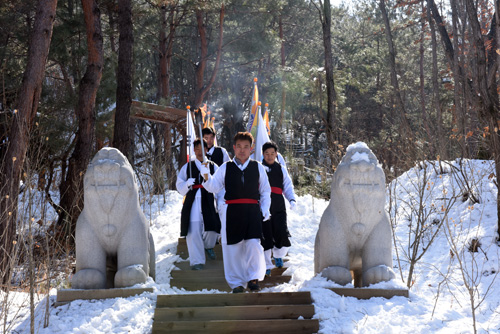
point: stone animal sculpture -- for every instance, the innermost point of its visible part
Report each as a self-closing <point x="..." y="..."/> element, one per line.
<point x="354" y="233"/>
<point x="114" y="247"/>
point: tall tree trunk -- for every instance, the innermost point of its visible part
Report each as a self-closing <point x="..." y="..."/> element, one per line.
<point x="165" y="58"/>
<point x="495" y="128"/>
<point x="394" y="76"/>
<point x="325" y="14"/>
<point x="121" y="136"/>
<point x="486" y="88"/>
<point x="22" y="122"/>
<point x="279" y="123"/>
<point x="462" y="88"/>
<point x="425" y="118"/>
<point x="71" y="188"/>
<point x="167" y="45"/>
<point x="440" y="148"/>
<point x="167" y="143"/>
<point x="158" y="184"/>
<point x="202" y="88"/>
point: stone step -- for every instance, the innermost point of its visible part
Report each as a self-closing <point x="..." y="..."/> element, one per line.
<point x="237" y="299"/>
<point x="278" y="326"/>
<point x="246" y="312"/>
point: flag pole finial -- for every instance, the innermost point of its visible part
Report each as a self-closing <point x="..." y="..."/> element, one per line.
<point x="267" y="105"/>
<point x="259" y="103"/>
<point x="188" y="107"/>
<point x="254" y="79"/>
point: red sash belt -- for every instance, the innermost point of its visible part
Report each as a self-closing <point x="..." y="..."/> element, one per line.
<point x="277" y="190"/>
<point x="197" y="186"/>
<point x="242" y="201"/>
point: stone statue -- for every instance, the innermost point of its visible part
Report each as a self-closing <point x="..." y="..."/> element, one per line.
<point x="354" y="233"/>
<point x="114" y="247"/>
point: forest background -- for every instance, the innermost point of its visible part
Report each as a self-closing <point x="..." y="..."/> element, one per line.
<point x="415" y="80"/>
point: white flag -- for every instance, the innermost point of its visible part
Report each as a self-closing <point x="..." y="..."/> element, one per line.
<point x="261" y="137"/>
<point x="190" y="137"/>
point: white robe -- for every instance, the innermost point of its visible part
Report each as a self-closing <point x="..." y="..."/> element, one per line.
<point x="197" y="238"/>
<point x="245" y="260"/>
<point x="289" y="194"/>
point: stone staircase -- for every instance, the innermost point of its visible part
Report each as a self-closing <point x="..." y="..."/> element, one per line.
<point x="242" y="313"/>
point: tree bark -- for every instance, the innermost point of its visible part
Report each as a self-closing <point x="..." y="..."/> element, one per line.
<point x="279" y="123"/>
<point x="22" y="122"/>
<point x="425" y="118"/>
<point x="407" y="134"/>
<point x="325" y="15"/>
<point x="121" y="136"/>
<point x="165" y="58"/>
<point x="486" y="87"/>
<point x="201" y="88"/>
<point x="71" y="188"/>
<point x="440" y="149"/>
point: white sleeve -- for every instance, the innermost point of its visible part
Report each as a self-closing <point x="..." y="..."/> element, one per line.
<point x="181" y="185"/>
<point x="220" y="193"/>
<point x="287" y="185"/>
<point x="264" y="190"/>
<point x="215" y="183"/>
<point x="225" y="155"/>
<point x="281" y="160"/>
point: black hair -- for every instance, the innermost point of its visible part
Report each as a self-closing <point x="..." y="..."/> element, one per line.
<point x="208" y="131"/>
<point x="269" y="144"/>
<point x="244" y="136"/>
<point x="198" y="142"/>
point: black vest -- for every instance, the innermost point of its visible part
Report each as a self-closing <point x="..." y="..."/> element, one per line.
<point x="217" y="156"/>
<point x="275" y="175"/>
<point x="243" y="221"/>
<point x="211" y="218"/>
<point x="276" y="231"/>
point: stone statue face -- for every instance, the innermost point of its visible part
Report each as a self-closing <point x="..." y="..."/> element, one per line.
<point x="108" y="176"/>
<point x="359" y="179"/>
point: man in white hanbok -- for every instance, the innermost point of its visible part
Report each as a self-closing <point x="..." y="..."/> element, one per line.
<point x="247" y="203"/>
<point x="200" y="222"/>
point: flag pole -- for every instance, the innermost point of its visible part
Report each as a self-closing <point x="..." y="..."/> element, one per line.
<point x="188" y="136"/>
<point x="199" y="120"/>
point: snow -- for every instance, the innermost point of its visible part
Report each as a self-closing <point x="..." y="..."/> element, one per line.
<point x="357" y="146"/>
<point x="438" y="302"/>
<point x="357" y="156"/>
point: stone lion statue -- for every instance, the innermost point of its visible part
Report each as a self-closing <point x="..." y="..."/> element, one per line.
<point x="114" y="247"/>
<point x="354" y="234"/>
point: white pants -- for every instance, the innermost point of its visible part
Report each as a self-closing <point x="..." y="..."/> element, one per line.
<point x="277" y="252"/>
<point x="197" y="240"/>
<point x="243" y="262"/>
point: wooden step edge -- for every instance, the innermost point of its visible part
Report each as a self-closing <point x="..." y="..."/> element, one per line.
<point x="229" y="299"/>
<point x="69" y="295"/>
<point x="214" y="277"/>
<point x="240" y="312"/>
<point x="367" y="293"/>
<point x="220" y="285"/>
<point x="281" y="326"/>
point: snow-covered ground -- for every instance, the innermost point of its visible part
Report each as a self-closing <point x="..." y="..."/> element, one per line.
<point x="439" y="299"/>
